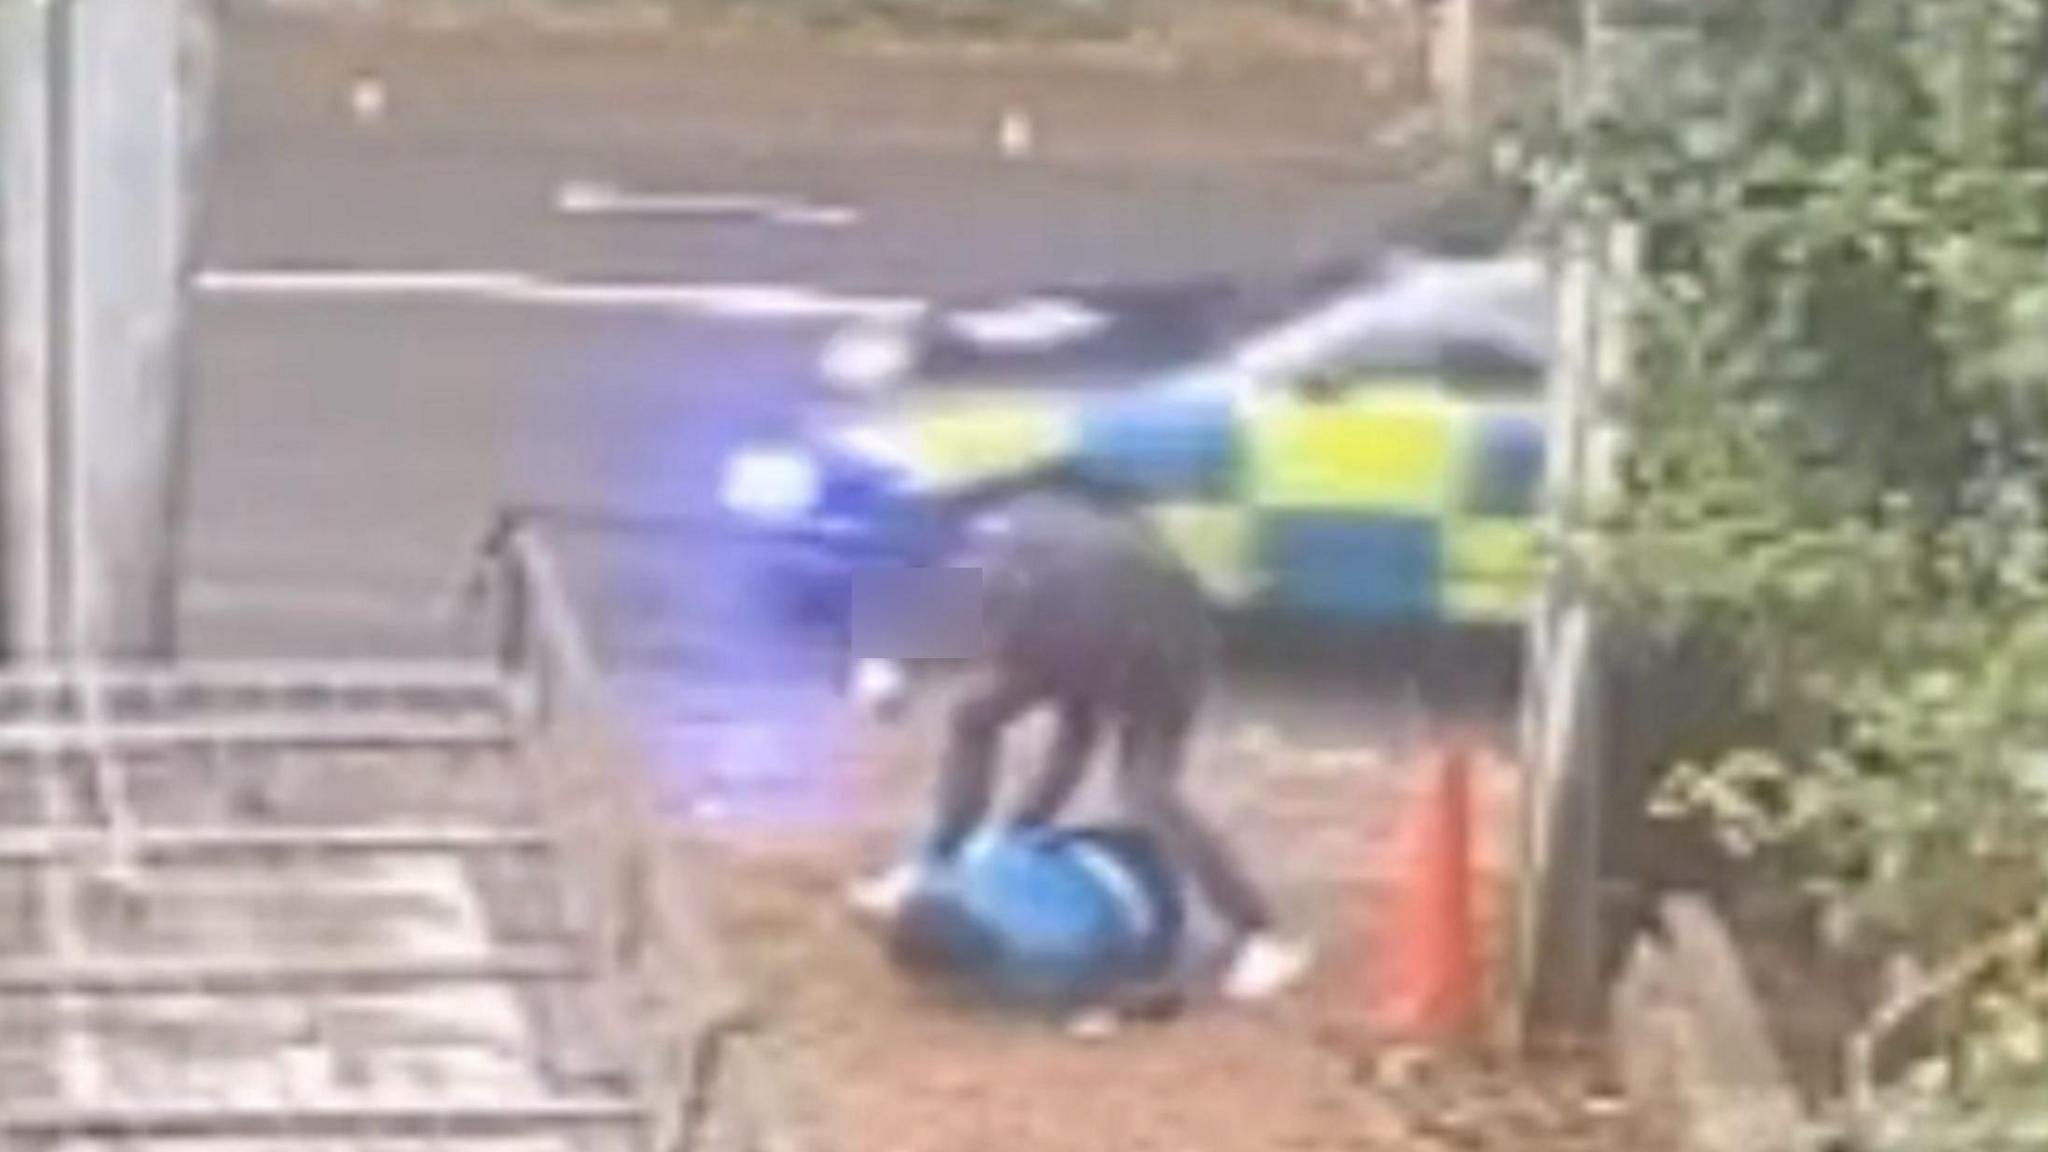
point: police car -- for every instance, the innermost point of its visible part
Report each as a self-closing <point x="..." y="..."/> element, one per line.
<point x="1367" y="452"/>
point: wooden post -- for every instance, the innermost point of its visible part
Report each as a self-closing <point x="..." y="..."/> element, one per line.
<point x="1557" y="931"/>
<point x="1453" y="65"/>
<point x="1561" y="947"/>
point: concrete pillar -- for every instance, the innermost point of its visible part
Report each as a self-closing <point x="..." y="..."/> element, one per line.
<point x="97" y="221"/>
<point x="125" y="325"/>
<point x="25" y="417"/>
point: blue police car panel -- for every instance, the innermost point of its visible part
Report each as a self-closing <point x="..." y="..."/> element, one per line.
<point x="1372" y="457"/>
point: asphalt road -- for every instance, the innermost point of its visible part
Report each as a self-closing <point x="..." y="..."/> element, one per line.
<point x="357" y="420"/>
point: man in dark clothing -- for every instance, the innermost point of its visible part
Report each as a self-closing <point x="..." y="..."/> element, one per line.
<point x="1090" y="615"/>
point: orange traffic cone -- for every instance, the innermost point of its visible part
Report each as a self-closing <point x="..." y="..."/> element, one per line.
<point x="1426" y="981"/>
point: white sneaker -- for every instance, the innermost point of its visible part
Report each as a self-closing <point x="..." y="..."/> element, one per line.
<point x="1094" y="1025"/>
<point x="1266" y="966"/>
<point x="882" y="897"/>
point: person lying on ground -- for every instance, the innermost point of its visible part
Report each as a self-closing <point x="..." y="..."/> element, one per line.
<point x="1083" y="924"/>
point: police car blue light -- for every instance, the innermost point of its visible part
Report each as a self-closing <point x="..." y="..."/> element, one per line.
<point x="771" y="486"/>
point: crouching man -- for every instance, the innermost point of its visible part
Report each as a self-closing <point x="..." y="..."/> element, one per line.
<point x="1092" y="618"/>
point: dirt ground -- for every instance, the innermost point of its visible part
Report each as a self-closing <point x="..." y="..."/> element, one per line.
<point x="891" y="1070"/>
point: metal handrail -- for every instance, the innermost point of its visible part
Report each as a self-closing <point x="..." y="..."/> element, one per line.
<point x="489" y="563"/>
<point x="692" y="1028"/>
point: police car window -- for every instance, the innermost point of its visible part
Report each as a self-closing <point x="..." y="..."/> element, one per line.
<point x="1074" y="339"/>
<point x="1467" y="366"/>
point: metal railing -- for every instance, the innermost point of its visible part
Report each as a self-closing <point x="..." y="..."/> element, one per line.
<point x="253" y="900"/>
<point x="694" y="1031"/>
<point x="203" y="877"/>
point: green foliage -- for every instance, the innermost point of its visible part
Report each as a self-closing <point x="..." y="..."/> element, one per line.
<point x="1837" y="461"/>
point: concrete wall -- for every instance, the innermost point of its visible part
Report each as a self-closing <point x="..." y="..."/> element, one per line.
<point x="104" y="126"/>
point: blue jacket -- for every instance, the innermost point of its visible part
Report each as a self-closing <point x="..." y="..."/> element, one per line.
<point x="1047" y="918"/>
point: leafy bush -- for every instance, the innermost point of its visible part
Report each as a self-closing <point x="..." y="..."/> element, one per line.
<point x="1838" y="467"/>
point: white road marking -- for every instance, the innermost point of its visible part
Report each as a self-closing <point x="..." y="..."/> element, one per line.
<point x="349" y="282"/>
<point x="595" y="199"/>
<point x="368" y="99"/>
<point x="1016" y="134"/>
<point x="729" y="301"/>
